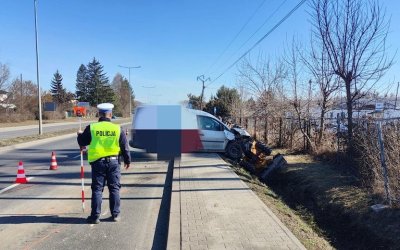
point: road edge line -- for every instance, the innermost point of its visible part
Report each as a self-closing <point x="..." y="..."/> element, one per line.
<point x="13" y="186"/>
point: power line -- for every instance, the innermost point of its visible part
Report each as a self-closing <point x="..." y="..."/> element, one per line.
<point x="259" y="28"/>
<point x="262" y="38"/>
<point x="236" y="36"/>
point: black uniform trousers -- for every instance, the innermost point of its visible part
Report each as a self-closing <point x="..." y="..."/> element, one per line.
<point x="105" y="171"/>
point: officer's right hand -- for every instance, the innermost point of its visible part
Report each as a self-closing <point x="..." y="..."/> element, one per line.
<point x="126" y="166"/>
<point x="79" y="132"/>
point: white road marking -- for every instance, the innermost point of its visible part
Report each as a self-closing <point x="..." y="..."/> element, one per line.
<point x="13" y="185"/>
<point x="76" y="156"/>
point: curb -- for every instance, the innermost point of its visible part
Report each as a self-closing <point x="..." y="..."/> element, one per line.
<point x="174" y="227"/>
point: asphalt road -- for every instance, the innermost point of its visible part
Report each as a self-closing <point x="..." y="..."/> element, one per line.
<point x="46" y="213"/>
<point x="13" y="132"/>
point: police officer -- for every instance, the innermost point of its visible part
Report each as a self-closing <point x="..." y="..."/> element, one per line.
<point x="106" y="142"/>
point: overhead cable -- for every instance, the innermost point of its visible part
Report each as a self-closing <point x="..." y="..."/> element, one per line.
<point x="255" y="32"/>
<point x="236" y="36"/>
<point x="260" y="40"/>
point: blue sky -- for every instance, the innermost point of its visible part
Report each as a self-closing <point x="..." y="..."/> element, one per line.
<point x="173" y="41"/>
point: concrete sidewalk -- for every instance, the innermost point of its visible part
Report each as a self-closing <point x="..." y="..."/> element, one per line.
<point x="211" y="208"/>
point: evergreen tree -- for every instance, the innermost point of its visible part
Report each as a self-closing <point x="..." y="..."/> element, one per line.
<point x="81" y="92"/>
<point x="57" y="90"/>
<point x="194" y="101"/>
<point x="224" y="102"/>
<point x="227" y="96"/>
<point x="98" y="86"/>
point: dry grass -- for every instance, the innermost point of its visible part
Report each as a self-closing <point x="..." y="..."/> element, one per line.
<point x="299" y="224"/>
<point x="339" y="206"/>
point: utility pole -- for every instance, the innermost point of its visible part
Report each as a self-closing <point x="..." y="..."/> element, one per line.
<point x="397" y="91"/>
<point x="22" y="99"/>
<point x="201" y="78"/>
<point x="129" y="79"/>
<point x="37" y="71"/>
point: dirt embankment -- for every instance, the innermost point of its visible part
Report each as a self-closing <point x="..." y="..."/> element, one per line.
<point x="332" y="202"/>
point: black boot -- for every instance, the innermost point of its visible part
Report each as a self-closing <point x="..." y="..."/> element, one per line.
<point x="93" y="220"/>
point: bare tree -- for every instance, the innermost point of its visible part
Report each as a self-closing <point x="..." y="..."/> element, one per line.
<point x="24" y="95"/>
<point x="260" y="76"/>
<point x="240" y="109"/>
<point x="318" y="63"/>
<point x="353" y="33"/>
<point x="294" y="64"/>
<point x="262" y="79"/>
<point x="123" y="90"/>
<point x="4" y="76"/>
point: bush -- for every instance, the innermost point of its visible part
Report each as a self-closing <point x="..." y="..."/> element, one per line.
<point x="53" y="115"/>
<point x="10" y="116"/>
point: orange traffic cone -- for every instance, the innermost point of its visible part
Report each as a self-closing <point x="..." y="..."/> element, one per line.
<point x="21" y="178"/>
<point x="53" y="164"/>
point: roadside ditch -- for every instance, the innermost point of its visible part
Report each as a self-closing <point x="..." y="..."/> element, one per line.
<point x="324" y="206"/>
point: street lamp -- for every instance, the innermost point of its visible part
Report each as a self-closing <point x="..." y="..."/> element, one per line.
<point x="129" y="79"/>
<point x="37" y="71"/>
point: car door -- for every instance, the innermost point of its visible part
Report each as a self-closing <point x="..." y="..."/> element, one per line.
<point x="211" y="133"/>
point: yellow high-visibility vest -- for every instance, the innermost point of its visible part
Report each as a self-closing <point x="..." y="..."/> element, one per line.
<point x="105" y="140"/>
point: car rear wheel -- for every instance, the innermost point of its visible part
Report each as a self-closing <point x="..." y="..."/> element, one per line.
<point x="234" y="150"/>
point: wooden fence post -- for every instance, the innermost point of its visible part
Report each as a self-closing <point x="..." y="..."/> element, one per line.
<point x="304" y="136"/>
<point x="266" y="130"/>
<point x="291" y="132"/>
<point x="255" y="127"/>
<point x="309" y="135"/>
<point x="280" y="132"/>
